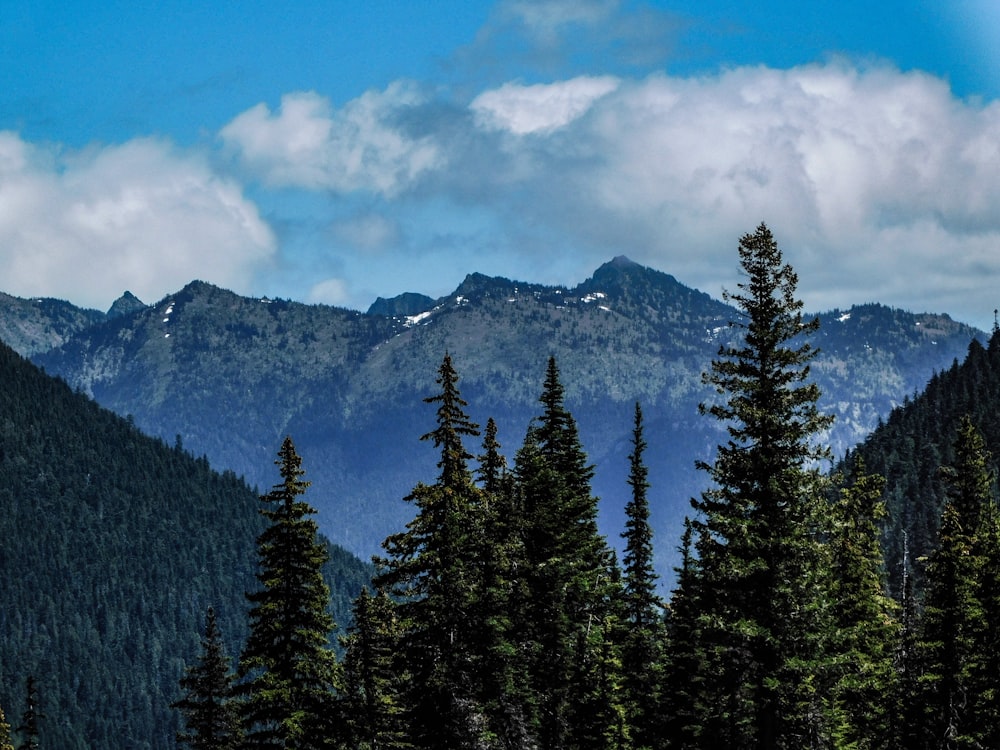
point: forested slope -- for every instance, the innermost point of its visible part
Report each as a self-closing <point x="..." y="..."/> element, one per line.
<point x="112" y="546"/>
<point x="917" y="439"/>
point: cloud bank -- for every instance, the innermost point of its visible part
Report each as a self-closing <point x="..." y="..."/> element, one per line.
<point x="880" y="185"/>
<point x="85" y="226"/>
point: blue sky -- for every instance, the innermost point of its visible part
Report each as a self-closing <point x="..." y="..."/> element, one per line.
<point x="334" y="152"/>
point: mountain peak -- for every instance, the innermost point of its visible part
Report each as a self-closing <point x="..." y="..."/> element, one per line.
<point x="127" y="304"/>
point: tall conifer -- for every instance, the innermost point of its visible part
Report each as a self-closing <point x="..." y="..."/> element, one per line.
<point x="210" y="715"/>
<point x="953" y="618"/>
<point x="761" y="562"/>
<point x="374" y="676"/>
<point x="434" y="568"/>
<point x="28" y="728"/>
<point x="569" y="577"/>
<point x="288" y="666"/>
<point x="866" y="629"/>
<point x="642" y="625"/>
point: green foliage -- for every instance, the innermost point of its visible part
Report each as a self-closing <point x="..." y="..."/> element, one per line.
<point x="210" y="713"/>
<point x="5" y="742"/>
<point x="288" y="667"/>
<point x="570" y="583"/>
<point x="866" y="628"/>
<point x="642" y="622"/>
<point x="433" y="567"/>
<point x="28" y="729"/>
<point x="954" y="620"/>
<point x="374" y="676"/>
<point x="761" y="563"/>
<point x="113" y="547"/>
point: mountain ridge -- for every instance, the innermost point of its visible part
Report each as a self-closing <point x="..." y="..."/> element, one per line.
<point x="231" y="375"/>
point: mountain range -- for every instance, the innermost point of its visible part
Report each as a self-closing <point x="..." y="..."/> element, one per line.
<point x="228" y="376"/>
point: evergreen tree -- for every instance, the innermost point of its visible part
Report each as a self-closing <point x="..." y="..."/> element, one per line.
<point x="685" y="666"/>
<point x="5" y="741"/>
<point x="642" y="623"/>
<point x="433" y="567"/>
<point x="372" y="676"/>
<point x="502" y="602"/>
<point x="953" y="617"/>
<point x="28" y="729"/>
<point x="761" y="563"/>
<point x="210" y="715"/>
<point x="290" y="672"/>
<point x="569" y="578"/>
<point x="864" y="617"/>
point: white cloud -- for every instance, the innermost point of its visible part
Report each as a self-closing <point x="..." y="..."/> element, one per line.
<point x="368" y="232"/>
<point x="540" y="108"/>
<point x="329" y="292"/>
<point x="545" y="17"/>
<point x="87" y="225"/>
<point x="307" y="143"/>
<point x="879" y="184"/>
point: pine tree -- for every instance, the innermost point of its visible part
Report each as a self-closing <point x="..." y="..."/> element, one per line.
<point x="28" y="729"/>
<point x="985" y="686"/>
<point x="864" y="617"/>
<point x="289" y="669"/>
<point x="953" y="618"/>
<point x="433" y="567"/>
<point x="760" y="558"/>
<point x="502" y="602"/>
<point x="5" y="741"/>
<point x="372" y="676"/>
<point x="685" y="667"/>
<point x="210" y="714"/>
<point x="642" y="624"/>
<point x="569" y="578"/>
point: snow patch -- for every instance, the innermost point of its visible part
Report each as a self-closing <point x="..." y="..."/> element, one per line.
<point x="847" y="316"/>
<point x="593" y="296"/>
<point x="412" y="320"/>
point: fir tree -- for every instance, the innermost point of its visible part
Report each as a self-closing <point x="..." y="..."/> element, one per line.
<point x="211" y="716"/>
<point x="502" y="602"/>
<point x="569" y="581"/>
<point x="953" y="618"/>
<point x="433" y="567"/>
<point x="372" y="676"/>
<point x="864" y="617"/>
<point x="642" y="623"/>
<point x="685" y="667"/>
<point x="28" y="729"/>
<point x="761" y="562"/>
<point x="288" y="666"/>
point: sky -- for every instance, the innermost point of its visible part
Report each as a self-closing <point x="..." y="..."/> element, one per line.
<point x="333" y="152"/>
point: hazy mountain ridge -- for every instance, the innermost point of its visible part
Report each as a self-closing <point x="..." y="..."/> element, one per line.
<point x="31" y="326"/>
<point x="231" y="375"/>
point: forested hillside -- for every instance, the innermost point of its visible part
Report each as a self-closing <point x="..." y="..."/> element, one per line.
<point x="112" y="547"/>
<point x="917" y="439"/>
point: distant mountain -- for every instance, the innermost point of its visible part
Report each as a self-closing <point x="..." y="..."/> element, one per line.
<point x="36" y="325"/>
<point x="232" y="375"/>
<point x="409" y="303"/>
<point x="127" y="304"/>
<point x="112" y="546"/>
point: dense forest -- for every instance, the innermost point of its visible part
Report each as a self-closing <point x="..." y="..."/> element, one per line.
<point x="112" y="547"/>
<point x="847" y="610"/>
